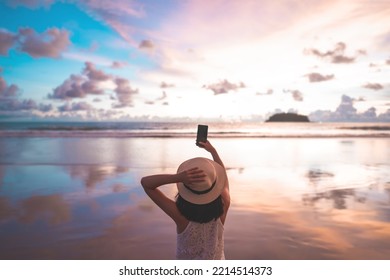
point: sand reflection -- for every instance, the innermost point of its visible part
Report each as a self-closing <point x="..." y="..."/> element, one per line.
<point x="293" y="232"/>
<point x="53" y="208"/>
<point x="339" y="198"/>
<point x="92" y="175"/>
<point x="139" y="231"/>
<point x="6" y="211"/>
<point x="319" y="221"/>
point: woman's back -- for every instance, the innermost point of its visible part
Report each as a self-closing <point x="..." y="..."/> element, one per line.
<point x="202" y="205"/>
<point x="201" y="241"/>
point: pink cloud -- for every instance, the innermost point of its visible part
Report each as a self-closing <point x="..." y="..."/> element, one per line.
<point x="79" y="86"/>
<point x="18" y="105"/>
<point x="29" y="3"/>
<point x="75" y="106"/>
<point x="94" y="74"/>
<point x="10" y="99"/>
<point x="89" y="83"/>
<point x="166" y="85"/>
<point x="117" y="14"/>
<point x="48" y="44"/>
<point x="124" y="92"/>
<point x="146" y="44"/>
<point x="317" y="77"/>
<point x="6" y="91"/>
<point x="296" y="94"/>
<point x="347" y="112"/>
<point x="374" y="86"/>
<point x="335" y="55"/>
<point x="114" y="9"/>
<point x="118" y="64"/>
<point x="7" y="39"/>
<point x="224" y="87"/>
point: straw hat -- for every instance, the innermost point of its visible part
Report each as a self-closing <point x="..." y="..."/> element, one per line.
<point x="208" y="190"/>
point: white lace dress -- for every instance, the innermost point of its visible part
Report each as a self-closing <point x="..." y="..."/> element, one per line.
<point x="201" y="241"/>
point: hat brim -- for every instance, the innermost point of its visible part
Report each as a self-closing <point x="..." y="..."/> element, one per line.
<point x="207" y="197"/>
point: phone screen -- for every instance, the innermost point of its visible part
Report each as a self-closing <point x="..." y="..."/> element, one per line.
<point x="201" y="136"/>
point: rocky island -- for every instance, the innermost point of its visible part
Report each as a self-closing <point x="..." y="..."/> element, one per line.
<point x="288" y="117"/>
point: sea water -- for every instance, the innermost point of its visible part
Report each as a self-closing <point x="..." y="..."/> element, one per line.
<point x="299" y="191"/>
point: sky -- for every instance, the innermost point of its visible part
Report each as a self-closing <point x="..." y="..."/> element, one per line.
<point x="194" y="59"/>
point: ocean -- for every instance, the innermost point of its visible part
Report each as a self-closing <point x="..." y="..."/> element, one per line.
<point x="299" y="190"/>
<point x="188" y="129"/>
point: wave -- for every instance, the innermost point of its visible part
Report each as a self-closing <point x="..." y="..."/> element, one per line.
<point x="178" y="134"/>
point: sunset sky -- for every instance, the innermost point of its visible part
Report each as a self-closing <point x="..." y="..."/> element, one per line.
<point x="213" y="59"/>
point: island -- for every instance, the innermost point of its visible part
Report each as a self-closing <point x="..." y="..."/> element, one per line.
<point x="288" y="117"/>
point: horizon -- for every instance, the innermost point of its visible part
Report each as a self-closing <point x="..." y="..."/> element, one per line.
<point x="172" y="60"/>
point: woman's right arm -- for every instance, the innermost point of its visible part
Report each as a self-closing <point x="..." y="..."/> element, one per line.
<point x="210" y="148"/>
<point x="226" y="191"/>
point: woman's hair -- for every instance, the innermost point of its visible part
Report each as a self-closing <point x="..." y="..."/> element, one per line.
<point x="200" y="213"/>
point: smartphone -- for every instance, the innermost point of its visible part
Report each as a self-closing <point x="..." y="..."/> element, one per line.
<point x="201" y="135"/>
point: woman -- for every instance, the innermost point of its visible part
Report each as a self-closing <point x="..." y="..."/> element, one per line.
<point x="201" y="205"/>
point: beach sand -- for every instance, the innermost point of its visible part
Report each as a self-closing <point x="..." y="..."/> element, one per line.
<point x="292" y="198"/>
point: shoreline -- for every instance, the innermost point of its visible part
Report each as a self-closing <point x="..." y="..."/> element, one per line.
<point x="172" y="134"/>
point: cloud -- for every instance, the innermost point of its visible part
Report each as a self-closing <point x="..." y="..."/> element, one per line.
<point x="118" y="64"/>
<point x="347" y="112"/>
<point x="45" y="107"/>
<point x="296" y="94"/>
<point x="374" y="86"/>
<point x="124" y="93"/>
<point x="360" y="99"/>
<point x="317" y="77"/>
<point x="336" y="55"/>
<point x="76" y="106"/>
<point x="161" y="98"/>
<point x="166" y="85"/>
<point x="6" y="91"/>
<point x="119" y="15"/>
<point x="18" y="105"/>
<point x="10" y="99"/>
<point x="94" y="74"/>
<point x="224" y="87"/>
<point x="346" y="108"/>
<point x="75" y="86"/>
<point x="50" y="43"/>
<point x="82" y="56"/>
<point x="79" y="86"/>
<point x="111" y="10"/>
<point x="385" y="117"/>
<point x="268" y="92"/>
<point x="146" y="44"/>
<point x="94" y="82"/>
<point x="7" y="39"/>
<point x="29" y="3"/>
<point x="15" y="104"/>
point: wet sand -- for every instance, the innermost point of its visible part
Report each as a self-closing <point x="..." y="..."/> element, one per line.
<point x="80" y="198"/>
